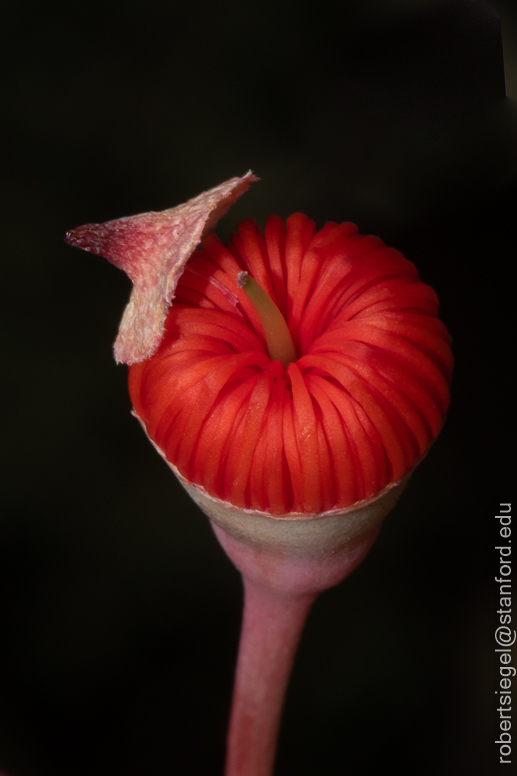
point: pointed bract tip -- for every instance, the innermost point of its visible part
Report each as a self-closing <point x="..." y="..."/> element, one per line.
<point x="153" y="248"/>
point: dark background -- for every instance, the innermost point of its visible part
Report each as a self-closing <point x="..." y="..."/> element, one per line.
<point x="119" y="614"/>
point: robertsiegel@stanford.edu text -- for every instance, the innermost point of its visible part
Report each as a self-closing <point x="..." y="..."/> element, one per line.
<point x="504" y="634"/>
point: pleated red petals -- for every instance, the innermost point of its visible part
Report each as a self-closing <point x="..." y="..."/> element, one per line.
<point x="356" y="411"/>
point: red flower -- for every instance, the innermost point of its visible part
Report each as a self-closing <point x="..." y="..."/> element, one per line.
<point x="313" y="401"/>
<point x="352" y="415"/>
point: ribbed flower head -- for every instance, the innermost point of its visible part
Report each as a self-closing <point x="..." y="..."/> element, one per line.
<point x="353" y="414"/>
<point x="350" y="415"/>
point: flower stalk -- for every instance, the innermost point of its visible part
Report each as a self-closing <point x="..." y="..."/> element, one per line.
<point x="284" y="565"/>
<point x="271" y="628"/>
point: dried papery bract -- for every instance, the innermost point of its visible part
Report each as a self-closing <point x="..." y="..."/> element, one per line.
<point x="152" y="249"/>
<point x="292" y="410"/>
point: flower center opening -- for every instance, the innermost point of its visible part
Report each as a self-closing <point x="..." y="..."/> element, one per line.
<point x="276" y="331"/>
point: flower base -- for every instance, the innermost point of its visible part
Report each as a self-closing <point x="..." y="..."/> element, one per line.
<point x="296" y="554"/>
<point x="285" y="562"/>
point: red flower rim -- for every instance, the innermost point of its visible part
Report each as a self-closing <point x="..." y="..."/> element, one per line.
<point x="356" y="411"/>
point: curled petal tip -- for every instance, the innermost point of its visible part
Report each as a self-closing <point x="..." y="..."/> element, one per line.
<point x="153" y="248"/>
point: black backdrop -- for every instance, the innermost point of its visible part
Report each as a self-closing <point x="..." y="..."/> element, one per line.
<point x="119" y="614"/>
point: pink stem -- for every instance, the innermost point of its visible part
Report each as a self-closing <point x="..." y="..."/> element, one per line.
<point x="271" y="629"/>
